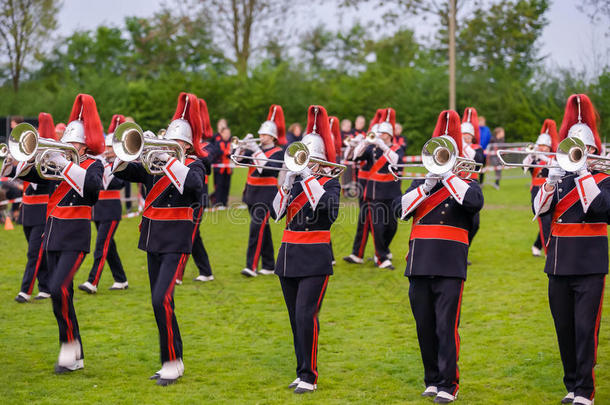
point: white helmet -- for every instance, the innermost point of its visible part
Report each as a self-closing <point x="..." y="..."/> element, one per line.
<point x="385" y="128"/>
<point x="180" y="129"/>
<point x="108" y="139"/>
<point x="75" y="132"/>
<point x="315" y="144"/>
<point x="467" y="128"/>
<point x="582" y="132"/>
<point x="375" y="129"/>
<point x="268" y="128"/>
<point x="544" y="139"/>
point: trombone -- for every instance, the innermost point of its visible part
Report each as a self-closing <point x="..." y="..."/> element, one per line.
<point x="25" y="144"/>
<point x="439" y="156"/>
<point x="236" y="142"/>
<point x="130" y="143"/>
<point x="571" y="156"/>
<point x="5" y="157"/>
<point x="296" y="158"/>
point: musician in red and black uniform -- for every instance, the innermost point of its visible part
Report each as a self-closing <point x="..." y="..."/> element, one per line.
<point x="209" y="153"/>
<point x="261" y="188"/>
<point x="310" y="203"/>
<point x="546" y="142"/>
<point x="67" y="234"/>
<point x="223" y="170"/>
<point x="107" y="214"/>
<point x="443" y="212"/>
<point x="577" y="256"/>
<point x="171" y="213"/>
<point x="364" y="224"/>
<point x="381" y="187"/>
<point x="33" y="218"/>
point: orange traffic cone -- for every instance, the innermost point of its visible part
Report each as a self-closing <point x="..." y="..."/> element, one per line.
<point x="8" y="224"/>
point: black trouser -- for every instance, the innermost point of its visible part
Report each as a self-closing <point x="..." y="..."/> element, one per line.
<point x="127" y="196"/>
<point x="384" y="227"/>
<point x="163" y="269"/>
<point x="222" y="185"/>
<point x="200" y="256"/>
<point x="436" y="302"/>
<point x="260" y="243"/>
<point x="362" y="231"/>
<point x="576" y="305"/>
<point x="303" y="297"/>
<point x="105" y="250"/>
<point x="544" y="223"/>
<point x="62" y="268"/>
<point x="36" y="266"/>
<point x="476" y="222"/>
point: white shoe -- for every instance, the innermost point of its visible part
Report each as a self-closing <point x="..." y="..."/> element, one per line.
<point x="303" y="387"/>
<point x="578" y="400"/>
<point x="568" y="399"/>
<point x="22" y="297"/>
<point x="430" y="391"/>
<point x="170" y="372"/>
<point x="386" y="264"/>
<point x="334" y="262"/>
<point x="266" y="272"/>
<point x="88" y="287"/>
<point x="248" y="273"/>
<point x="294" y="383"/>
<point x="178" y="282"/>
<point x="390" y="256"/>
<point x="203" y="278"/>
<point x="536" y="252"/>
<point x="353" y="259"/>
<point x="42" y="295"/>
<point x="119" y="286"/>
<point x="69" y="358"/>
<point x="444" y="397"/>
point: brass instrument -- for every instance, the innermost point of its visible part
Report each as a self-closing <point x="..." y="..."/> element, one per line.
<point x="130" y="144"/>
<point x="371" y="137"/>
<point x="236" y="142"/>
<point x="5" y="157"/>
<point x="25" y="144"/>
<point x="296" y="158"/>
<point x="439" y="156"/>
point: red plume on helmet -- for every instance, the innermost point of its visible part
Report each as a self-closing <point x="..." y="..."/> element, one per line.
<point x="208" y="132"/>
<point x="335" y="130"/>
<point x="471" y="116"/>
<point x="117" y="119"/>
<point x="84" y="109"/>
<point x="376" y="119"/>
<point x="585" y="114"/>
<point x="448" y="123"/>
<point x="550" y="127"/>
<point x="46" y="128"/>
<point x="276" y="114"/>
<point x="188" y="109"/>
<point x="320" y="121"/>
<point x="389" y="115"/>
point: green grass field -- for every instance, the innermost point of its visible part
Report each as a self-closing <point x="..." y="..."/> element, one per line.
<point x="237" y="338"/>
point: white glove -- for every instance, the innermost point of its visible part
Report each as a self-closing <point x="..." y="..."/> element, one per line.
<point x="163" y="157"/>
<point x="555" y="174"/>
<point x="529" y="159"/>
<point x="583" y="172"/>
<point x="305" y="173"/>
<point x="252" y="146"/>
<point x="381" y="144"/>
<point x="289" y="180"/>
<point x="58" y="159"/>
<point x="431" y="181"/>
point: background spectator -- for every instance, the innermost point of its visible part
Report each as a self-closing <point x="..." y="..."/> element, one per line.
<point x="359" y="125"/>
<point x="496" y="139"/>
<point x="294" y="134"/>
<point x="485" y="132"/>
<point x="16" y="120"/>
<point x="222" y="174"/>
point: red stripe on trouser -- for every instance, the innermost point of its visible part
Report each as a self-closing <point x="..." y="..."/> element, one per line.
<point x="542" y="236"/>
<point x="259" y="244"/>
<point x="100" y="267"/>
<point x="365" y="236"/>
<point x="169" y="312"/>
<point x="38" y="260"/>
<point x="66" y="296"/>
<point x="314" y="346"/>
<point x="596" y="337"/>
<point x="183" y="268"/>
<point x="372" y="230"/>
<point x="457" y="341"/>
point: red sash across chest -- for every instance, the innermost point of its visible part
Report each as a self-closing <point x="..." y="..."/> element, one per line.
<point x="379" y="164"/>
<point x="299" y="202"/>
<point x="68" y="212"/>
<point x="262" y="181"/>
<point x="576" y="229"/>
<point x="169" y="213"/>
<point x="33" y="199"/>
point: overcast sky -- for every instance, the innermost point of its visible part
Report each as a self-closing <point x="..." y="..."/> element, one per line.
<point x="568" y="40"/>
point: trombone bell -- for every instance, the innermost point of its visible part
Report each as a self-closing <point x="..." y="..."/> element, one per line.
<point x="571" y="154"/>
<point x="439" y="155"/>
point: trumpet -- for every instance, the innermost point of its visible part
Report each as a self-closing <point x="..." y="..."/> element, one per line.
<point x="571" y="156"/>
<point x="371" y="137"/>
<point x="130" y="143"/>
<point x="236" y="142"/>
<point x="25" y="144"/>
<point x="354" y="141"/>
<point x="296" y="158"/>
<point x="439" y="156"/>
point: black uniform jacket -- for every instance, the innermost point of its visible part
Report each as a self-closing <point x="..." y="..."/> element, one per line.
<point x="305" y="250"/>
<point x="211" y="152"/>
<point x="108" y="207"/>
<point x="380" y="184"/>
<point x="34" y="202"/>
<point x="438" y="244"/>
<point x="169" y="218"/>
<point x="261" y="187"/>
<point x="579" y="241"/>
<point x="68" y="225"/>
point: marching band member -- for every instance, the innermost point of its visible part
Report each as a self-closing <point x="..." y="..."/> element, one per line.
<point x="546" y="142"/>
<point x="171" y="212"/>
<point x="577" y="256"/>
<point x="209" y="153"/>
<point x="107" y="214"/>
<point x="261" y="188"/>
<point x="310" y="203"/>
<point x="364" y="225"/>
<point x="33" y="218"/>
<point x="443" y="212"/>
<point x="67" y="234"/>
<point x="381" y="187"/>
<point x="222" y="172"/>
